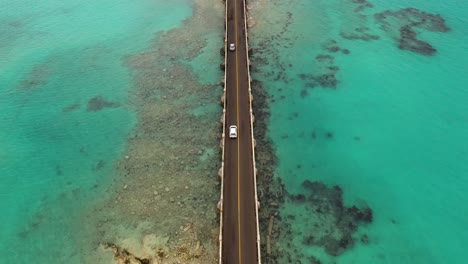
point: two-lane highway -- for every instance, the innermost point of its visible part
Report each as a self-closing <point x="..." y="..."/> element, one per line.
<point x="239" y="233"/>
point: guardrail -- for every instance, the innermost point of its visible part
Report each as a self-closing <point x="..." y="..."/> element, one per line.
<point x="252" y="119"/>
<point x="223" y="120"/>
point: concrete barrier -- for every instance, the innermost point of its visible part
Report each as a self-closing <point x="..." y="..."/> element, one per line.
<point x="257" y="202"/>
<point x="222" y="147"/>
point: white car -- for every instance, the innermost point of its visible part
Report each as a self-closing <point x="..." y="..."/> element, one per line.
<point x="232" y="47"/>
<point x="233" y="132"/>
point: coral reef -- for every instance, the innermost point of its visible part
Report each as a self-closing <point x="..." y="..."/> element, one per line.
<point x="325" y="70"/>
<point x="403" y="26"/>
<point x="100" y="165"/>
<point x="71" y="108"/>
<point x="331" y="46"/>
<point x="359" y="35"/>
<point x="277" y="226"/>
<point x="168" y="173"/>
<point x="334" y="224"/>
<point x="362" y="5"/>
<point x="124" y="257"/>
<point x="358" y="29"/>
<point x="321" y="203"/>
<point x="266" y="44"/>
<point x="325" y="58"/>
<point x="325" y="75"/>
<point x="98" y="103"/>
<point x="330" y="224"/>
<point x="39" y="76"/>
<point x="187" y="249"/>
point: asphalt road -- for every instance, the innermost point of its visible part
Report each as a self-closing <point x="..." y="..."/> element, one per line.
<point x="239" y="243"/>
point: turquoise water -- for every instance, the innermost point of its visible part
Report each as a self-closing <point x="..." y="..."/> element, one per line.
<point x="64" y="94"/>
<point x="392" y="133"/>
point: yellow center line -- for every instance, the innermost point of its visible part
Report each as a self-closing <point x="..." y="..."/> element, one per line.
<point x="238" y="141"/>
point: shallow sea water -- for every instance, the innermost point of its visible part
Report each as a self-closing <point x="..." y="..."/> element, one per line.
<point x="67" y="94"/>
<point x="392" y="132"/>
<point x="77" y="91"/>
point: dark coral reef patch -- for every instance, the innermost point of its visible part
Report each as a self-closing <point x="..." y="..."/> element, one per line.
<point x="405" y="24"/>
<point x="326" y="80"/>
<point x="37" y="77"/>
<point x="71" y="108"/>
<point x="331" y="46"/>
<point x="322" y="202"/>
<point x="358" y="34"/>
<point x="98" y="103"/>
<point x="362" y="5"/>
<point x="358" y="29"/>
<point x="325" y="71"/>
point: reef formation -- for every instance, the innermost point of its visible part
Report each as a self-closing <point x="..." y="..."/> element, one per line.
<point x="358" y="28"/>
<point x="167" y="184"/>
<point x="321" y="203"/>
<point x="98" y="103"/>
<point x="405" y="25"/>
<point x="325" y="70"/>
<point x="278" y="228"/>
<point x="153" y="250"/>
<point x="332" y="224"/>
